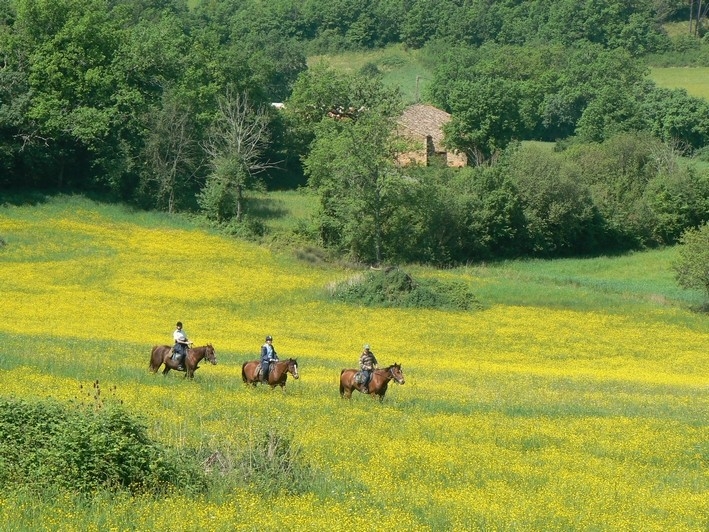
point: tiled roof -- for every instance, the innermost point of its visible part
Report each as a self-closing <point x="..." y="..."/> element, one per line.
<point x="425" y="120"/>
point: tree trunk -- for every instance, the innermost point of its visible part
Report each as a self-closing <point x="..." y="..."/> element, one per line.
<point x="239" y="201"/>
<point x="691" y="16"/>
<point x="698" y="19"/>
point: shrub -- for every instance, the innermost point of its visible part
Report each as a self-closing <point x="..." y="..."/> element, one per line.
<point x="692" y="267"/>
<point x="269" y="463"/>
<point x="47" y="445"/>
<point x="392" y="287"/>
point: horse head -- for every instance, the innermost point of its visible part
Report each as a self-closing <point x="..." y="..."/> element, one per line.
<point x="210" y="354"/>
<point x="293" y="367"/>
<point x="397" y="373"/>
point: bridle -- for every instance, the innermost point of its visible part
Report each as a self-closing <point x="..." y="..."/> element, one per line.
<point x="393" y="374"/>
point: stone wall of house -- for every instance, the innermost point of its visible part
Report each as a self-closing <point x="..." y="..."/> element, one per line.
<point x="456" y="159"/>
<point x="423" y="124"/>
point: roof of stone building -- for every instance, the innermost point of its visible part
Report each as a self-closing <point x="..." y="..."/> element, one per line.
<point x="424" y="120"/>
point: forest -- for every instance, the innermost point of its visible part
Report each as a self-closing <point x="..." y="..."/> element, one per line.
<point x="169" y="105"/>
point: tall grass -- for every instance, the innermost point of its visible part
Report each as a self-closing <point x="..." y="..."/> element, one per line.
<point x="574" y="400"/>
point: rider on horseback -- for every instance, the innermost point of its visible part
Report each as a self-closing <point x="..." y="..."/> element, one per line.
<point x="367" y="364"/>
<point x="180" y="347"/>
<point x="268" y="355"/>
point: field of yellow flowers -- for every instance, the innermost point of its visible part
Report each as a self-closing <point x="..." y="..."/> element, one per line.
<point x="514" y="417"/>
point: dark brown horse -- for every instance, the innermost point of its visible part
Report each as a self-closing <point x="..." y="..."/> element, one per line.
<point x="377" y="385"/>
<point x="277" y="376"/>
<point x="161" y="355"/>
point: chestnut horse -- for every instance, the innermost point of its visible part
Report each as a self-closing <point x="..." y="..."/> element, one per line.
<point x="378" y="384"/>
<point x="161" y="355"/>
<point x="276" y="377"/>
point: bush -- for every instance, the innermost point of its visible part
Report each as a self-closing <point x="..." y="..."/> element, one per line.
<point x="392" y="287"/>
<point x="692" y="267"/>
<point x="48" y="445"/>
<point x="269" y="463"/>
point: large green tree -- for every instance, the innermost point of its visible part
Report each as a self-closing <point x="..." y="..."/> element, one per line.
<point x="498" y="94"/>
<point x="351" y="162"/>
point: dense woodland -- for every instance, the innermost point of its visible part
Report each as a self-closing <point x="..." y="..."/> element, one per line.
<point x="166" y="105"/>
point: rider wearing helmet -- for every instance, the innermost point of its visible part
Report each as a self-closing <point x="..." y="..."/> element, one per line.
<point x="268" y="355"/>
<point x="367" y="364"/>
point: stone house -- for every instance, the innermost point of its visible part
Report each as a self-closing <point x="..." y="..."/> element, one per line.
<point x="423" y="125"/>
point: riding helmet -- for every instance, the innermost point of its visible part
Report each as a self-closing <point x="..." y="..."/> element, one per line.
<point x="269" y="337"/>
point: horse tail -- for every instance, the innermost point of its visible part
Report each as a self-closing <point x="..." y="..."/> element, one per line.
<point x="243" y="372"/>
<point x="151" y="364"/>
<point x="342" y="386"/>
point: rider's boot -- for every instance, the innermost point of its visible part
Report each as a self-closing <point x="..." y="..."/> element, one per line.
<point x="181" y="364"/>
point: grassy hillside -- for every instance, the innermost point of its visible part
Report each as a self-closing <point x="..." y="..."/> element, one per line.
<point x="575" y="400"/>
<point x="694" y="80"/>
<point x="401" y="68"/>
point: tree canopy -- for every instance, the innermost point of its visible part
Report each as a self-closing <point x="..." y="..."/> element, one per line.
<point x="172" y="107"/>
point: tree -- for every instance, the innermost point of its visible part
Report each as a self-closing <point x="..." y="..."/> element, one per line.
<point x="486" y="117"/>
<point x="351" y="162"/>
<point x="171" y="152"/>
<point x="559" y="213"/>
<point x="351" y="166"/>
<point x="235" y="146"/>
<point x="692" y="267"/>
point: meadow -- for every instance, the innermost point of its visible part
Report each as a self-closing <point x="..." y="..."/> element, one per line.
<point x="695" y="80"/>
<point x="575" y="399"/>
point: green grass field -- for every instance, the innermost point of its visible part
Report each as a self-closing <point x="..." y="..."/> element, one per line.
<point x="576" y="399"/>
<point x="694" y="80"/>
<point x="400" y="68"/>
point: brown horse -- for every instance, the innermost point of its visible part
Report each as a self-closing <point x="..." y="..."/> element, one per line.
<point x="377" y="385"/>
<point x="161" y="355"/>
<point x="277" y="376"/>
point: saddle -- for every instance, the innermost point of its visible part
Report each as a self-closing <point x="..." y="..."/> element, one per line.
<point x="179" y="358"/>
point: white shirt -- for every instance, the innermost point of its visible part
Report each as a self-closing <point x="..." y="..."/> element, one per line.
<point x="179" y="336"/>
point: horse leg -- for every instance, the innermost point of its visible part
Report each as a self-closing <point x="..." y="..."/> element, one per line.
<point x="166" y="362"/>
<point x="346" y="390"/>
